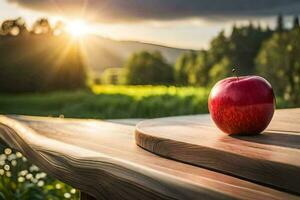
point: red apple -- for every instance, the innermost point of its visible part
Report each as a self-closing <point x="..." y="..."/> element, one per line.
<point x="242" y="105"/>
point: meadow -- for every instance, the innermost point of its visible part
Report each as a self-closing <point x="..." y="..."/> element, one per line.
<point x="112" y="102"/>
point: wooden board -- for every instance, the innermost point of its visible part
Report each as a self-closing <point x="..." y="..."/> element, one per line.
<point x="271" y="159"/>
<point x="102" y="160"/>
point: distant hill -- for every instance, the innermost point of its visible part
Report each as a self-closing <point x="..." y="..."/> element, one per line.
<point x="102" y="53"/>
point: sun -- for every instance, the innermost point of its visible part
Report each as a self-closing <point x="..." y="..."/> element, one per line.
<point x="77" y="28"/>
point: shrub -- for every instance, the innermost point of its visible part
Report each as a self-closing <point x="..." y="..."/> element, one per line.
<point x="148" y="68"/>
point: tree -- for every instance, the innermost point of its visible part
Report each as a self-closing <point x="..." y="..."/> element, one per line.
<point x="220" y="70"/>
<point x="111" y="76"/>
<point x="239" y="49"/>
<point x="148" y="68"/>
<point x="279" y="62"/>
<point x="184" y="67"/>
<point x="42" y="26"/>
<point x="59" y="28"/>
<point x="201" y="69"/>
<point x="14" y="27"/>
<point x="296" y="22"/>
<point x="280" y="23"/>
<point x="219" y="47"/>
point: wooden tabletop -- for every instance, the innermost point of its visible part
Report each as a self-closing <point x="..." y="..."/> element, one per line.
<point x="102" y="159"/>
<point x="271" y="158"/>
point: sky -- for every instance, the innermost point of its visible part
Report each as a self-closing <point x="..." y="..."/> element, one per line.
<point x="177" y="23"/>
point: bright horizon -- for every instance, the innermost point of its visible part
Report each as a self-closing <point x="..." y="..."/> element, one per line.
<point x="189" y="33"/>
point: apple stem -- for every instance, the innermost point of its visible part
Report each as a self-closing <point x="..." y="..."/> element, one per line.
<point x="234" y="71"/>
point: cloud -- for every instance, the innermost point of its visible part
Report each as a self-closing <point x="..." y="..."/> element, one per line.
<point x="143" y="10"/>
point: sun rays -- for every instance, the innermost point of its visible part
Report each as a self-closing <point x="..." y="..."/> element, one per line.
<point x="77" y="28"/>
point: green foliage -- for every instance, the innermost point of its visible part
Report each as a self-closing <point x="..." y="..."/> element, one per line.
<point x="148" y="68"/>
<point x="192" y="68"/>
<point x="279" y="62"/>
<point x="21" y="180"/>
<point x="113" y="102"/>
<point x="201" y="69"/>
<point x="108" y="101"/>
<point x="183" y="67"/>
<point x="112" y="76"/>
<point x="220" y="70"/>
<point x="241" y="48"/>
<point x="238" y="50"/>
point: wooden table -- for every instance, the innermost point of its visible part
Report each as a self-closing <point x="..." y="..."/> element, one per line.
<point x="101" y="158"/>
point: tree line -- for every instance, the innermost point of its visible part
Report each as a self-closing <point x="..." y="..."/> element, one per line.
<point x="18" y="26"/>
<point x="273" y="54"/>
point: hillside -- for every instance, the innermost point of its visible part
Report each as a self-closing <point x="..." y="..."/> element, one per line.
<point x="102" y="52"/>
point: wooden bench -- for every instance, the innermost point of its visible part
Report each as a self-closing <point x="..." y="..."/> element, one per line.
<point x="180" y="158"/>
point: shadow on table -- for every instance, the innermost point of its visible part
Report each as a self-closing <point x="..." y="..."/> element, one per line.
<point x="286" y="139"/>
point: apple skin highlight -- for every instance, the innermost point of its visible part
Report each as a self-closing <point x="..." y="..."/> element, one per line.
<point x="242" y="105"/>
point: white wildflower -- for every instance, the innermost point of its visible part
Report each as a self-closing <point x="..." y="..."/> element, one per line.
<point x="72" y="191"/>
<point x="21" y="179"/>
<point x="14" y="163"/>
<point x="67" y="195"/>
<point x="7" y="151"/>
<point x="40" y="183"/>
<point x="19" y="155"/>
<point x="6" y="167"/>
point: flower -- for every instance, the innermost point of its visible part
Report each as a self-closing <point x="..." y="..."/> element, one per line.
<point x="57" y="186"/>
<point x="6" y="167"/>
<point x="7" y="151"/>
<point x="19" y="155"/>
<point x="21" y="179"/>
<point x="14" y="163"/>
<point x="67" y="195"/>
<point x="33" y="168"/>
<point x="72" y="191"/>
<point x="23" y="172"/>
<point x="8" y="174"/>
<point x="29" y="176"/>
<point x="40" y="183"/>
<point x="11" y="157"/>
<point x="3" y="157"/>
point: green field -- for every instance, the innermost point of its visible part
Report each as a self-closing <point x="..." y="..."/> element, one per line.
<point x="112" y="102"/>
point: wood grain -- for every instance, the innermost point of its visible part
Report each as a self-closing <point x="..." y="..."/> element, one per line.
<point x="271" y="159"/>
<point x="102" y="160"/>
<point x="85" y="196"/>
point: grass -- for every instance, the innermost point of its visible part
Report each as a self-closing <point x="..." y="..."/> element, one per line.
<point x="110" y="102"/>
<point x="113" y="102"/>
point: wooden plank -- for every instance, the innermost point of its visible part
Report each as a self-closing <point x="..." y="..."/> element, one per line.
<point x="85" y="196"/>
<point x="101" y="159"/>
<point x="271" y="159"/>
